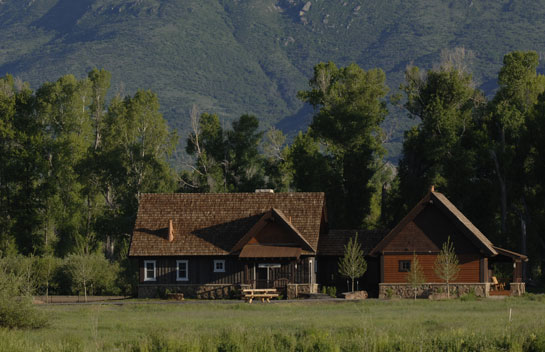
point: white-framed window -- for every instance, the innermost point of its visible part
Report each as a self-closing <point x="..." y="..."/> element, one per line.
<point x="150" y="272"/>
<point x="182" y="270"/>
<point x="219" y="266"/>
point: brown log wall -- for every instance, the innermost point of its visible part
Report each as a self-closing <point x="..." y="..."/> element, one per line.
<point x="469" y="267"/>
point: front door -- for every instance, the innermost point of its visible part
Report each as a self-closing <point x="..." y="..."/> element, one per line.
<point x="262" y="277"/>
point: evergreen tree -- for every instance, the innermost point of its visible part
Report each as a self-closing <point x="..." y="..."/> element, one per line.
<point x="416" y="276"/>
<point x="352" y="265"/>
<point x="446" y="265"/>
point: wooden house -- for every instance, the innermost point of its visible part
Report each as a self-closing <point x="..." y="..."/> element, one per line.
<point x="210" y="245"/>
<point x="207" y="245"/>
<point x="422" y="232"/>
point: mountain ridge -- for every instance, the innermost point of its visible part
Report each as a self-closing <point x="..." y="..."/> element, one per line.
<point x="233" y="57"/>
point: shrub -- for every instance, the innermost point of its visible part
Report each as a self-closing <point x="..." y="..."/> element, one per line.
<point x="91" y="274"/>
<point x="20" y="313"/>
<point x="470" y="296"/>
<point x="329" y="290"/>
<point x="16" y="309"/>
<point x="534" y="343"/>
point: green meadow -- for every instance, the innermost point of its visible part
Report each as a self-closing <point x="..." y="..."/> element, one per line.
<point x="512" y="324"/>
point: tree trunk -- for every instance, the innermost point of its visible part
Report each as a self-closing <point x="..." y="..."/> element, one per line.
<point x="85" y="290"/>
<point x="110" y="247"/>
<point x="523" y="243"/>
<point x="503" y="192"/>
<point x="352" y="284"/>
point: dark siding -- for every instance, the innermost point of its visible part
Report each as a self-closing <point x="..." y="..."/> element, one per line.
<point x="201" y="270"/>
<point x="328" y="275"/>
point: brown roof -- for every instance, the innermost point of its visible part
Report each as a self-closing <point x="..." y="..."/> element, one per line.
<point x="260" y="251"/>
<point x="211" y="224"/>
<point x="443" y="204"/>
<point x="511" y="254"/>
<point x="333" y="242"/>
<point x="262" y="222"/>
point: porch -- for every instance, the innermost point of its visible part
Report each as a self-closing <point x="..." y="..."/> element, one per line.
<point x="505" y="273"/>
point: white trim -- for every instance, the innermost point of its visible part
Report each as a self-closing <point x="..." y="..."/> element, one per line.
<point x="146" y="278"/>
<point x="219" y="261"/>
<point x="182" y="278"/>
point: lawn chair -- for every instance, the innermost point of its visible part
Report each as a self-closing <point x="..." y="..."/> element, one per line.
<point x="497" y="286"/>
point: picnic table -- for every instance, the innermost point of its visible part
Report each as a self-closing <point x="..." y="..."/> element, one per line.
<point x="265" y="294"/>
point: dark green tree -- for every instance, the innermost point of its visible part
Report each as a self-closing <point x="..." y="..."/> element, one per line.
<point x="510" y="145"/>
<point x="350" y="106"/>
<point x="224" y="161"/>
<point x="444" y="148"/>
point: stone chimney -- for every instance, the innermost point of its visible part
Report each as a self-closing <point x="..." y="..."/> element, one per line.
<point x="170" y="231"/>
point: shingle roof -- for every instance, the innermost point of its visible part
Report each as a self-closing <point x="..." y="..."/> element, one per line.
<point x="263" y="222"/>
<point x="443" y="204"/>
<point x="211" y="224"/>
<point x="259" y="251"/>
<point x="333" y="242"/>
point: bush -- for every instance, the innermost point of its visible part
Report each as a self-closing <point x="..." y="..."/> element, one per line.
<point x="534" y="343"/>
<point x="471" y="296"/>
<point x="16" y="309"/>
<point x="329" y="290"/>
<point x="91" y="274"/>
<point x="20" y="313"/>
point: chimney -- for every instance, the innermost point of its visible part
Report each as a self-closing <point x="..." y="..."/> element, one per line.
<point x="267" y="190"/>
<point x="170" y="231"/>
<point x="432" y="188"/>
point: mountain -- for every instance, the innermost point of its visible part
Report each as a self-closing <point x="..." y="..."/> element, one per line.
<point x="252" y="56"/>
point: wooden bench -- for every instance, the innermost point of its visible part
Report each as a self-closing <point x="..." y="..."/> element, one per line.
<point x="265" y="294"/>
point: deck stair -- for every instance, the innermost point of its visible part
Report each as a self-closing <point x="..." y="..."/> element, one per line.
<point x="500" y="293"/>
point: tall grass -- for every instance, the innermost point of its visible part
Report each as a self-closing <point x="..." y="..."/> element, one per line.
<point x="364" y="326"/>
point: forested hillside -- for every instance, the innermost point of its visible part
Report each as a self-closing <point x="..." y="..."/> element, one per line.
<point x="233" y="57"/>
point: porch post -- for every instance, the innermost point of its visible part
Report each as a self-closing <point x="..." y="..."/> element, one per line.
<point x="517" y="271"/>
<point x="292" y="270"/>
<point x="246" y="279"/>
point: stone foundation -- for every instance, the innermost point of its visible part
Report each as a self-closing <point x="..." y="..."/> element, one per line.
<point x="296" y="290"/>
<point x="517" y="288"/>
<point x="404" y="290"/>
<point x="355" y="295"/>
<point x="190" y="291"/>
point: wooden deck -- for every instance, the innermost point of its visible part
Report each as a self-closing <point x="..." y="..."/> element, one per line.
<point x="500" y="293"/>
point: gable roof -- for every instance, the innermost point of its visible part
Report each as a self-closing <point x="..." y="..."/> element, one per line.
<point x="455" y="215"/>
<point x="262" y="222"/>
<point x="212" y="224"/>
<point x="511" y="254"/>
<point x="261" y="251"/>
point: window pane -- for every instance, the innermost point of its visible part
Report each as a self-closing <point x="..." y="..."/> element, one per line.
<point x="150" y="270"/>
<point x="182" y="270"/>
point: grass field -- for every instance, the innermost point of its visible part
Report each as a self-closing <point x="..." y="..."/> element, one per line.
<point x="372" y="325"/>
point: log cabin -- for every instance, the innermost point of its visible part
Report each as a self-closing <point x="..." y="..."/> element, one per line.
<point x="213" y="245"/>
